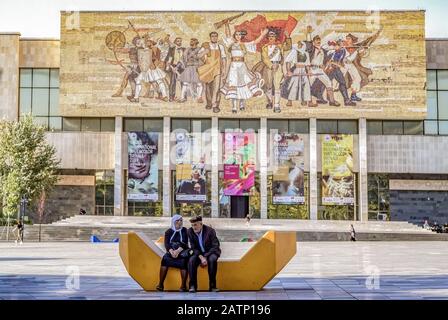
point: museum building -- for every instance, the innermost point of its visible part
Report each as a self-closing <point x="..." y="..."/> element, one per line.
<point x="379" y="152"/>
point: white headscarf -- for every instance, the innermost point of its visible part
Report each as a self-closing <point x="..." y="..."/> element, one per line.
<point x="175" y="218"/>
<point x="292" y="56"/>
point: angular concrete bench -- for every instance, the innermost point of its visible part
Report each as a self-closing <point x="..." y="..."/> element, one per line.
<point x="259" y="265"/>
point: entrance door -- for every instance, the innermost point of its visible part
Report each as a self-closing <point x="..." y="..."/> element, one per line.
<point x="239" y="206"/>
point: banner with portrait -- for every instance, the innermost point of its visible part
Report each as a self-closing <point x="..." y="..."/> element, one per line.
<point x="337" y="170"/>
<point x="289" y="169"/>
<point x="191" y="183"/>
<point x="143" y="170"/>
<point x="239" y="163"/>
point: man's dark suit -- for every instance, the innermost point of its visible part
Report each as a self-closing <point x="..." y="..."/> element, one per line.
<point x="169" y="60"/>
<point x="211" y="252"/>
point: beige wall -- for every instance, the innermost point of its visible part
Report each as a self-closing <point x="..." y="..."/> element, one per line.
<point x="84" y="150"/>
<point x="39" y="53"/>
<point x="407" y="154"/>
<point x="9" y="75"/>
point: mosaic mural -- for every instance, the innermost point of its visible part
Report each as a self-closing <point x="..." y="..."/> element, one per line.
<point x="244" y="64"/>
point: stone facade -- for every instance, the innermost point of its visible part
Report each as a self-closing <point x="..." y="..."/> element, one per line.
<point x="407" y="154"/>
<point x="39" y="53"/>
<point x="437" y="53"/>
<point x="9" y="75"/>
<point x="65" y="201"/>
<point x="417" y="206"/>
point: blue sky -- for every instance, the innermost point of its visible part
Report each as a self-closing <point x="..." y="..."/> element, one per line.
<point x="40" y="18"/>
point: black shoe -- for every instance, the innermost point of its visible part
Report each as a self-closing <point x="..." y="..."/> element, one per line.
<point x="335" y="104"/>
<point x="269" y="106"/>
<point x="159" y="288"/>
<point x="192" y="289"/>
<point x="321" y="101"/>
<point x="208" y="107"/>
<point x="183" y="289"/>
<point x="216" y="109"/>
<point x="349" y="103"/>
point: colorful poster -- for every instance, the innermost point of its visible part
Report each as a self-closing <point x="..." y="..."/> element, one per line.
<point x="190" y="168"/>
<point x="337" y="170"/>
<point x="143" y="170"/>
<point x="239" y="163"/>
<point x="289" y="169"/>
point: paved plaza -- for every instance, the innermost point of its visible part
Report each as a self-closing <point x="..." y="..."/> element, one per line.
<point x="320" y="270"/>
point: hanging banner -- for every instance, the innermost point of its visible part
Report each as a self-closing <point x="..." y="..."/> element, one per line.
<point x="190" y="168"/>
<point x="239" y="163"/>
<point x="337" y="170"/>
<point x="143" y="171"/>
<point x="289" y="169"/>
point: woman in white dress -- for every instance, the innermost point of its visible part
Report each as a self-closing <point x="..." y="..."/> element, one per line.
<point x="241" y="84"/>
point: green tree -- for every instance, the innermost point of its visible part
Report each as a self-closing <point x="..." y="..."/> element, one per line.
<point x="28" y="164"/>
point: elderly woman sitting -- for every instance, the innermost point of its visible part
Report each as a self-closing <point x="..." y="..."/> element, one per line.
<point x="177" y="252"/>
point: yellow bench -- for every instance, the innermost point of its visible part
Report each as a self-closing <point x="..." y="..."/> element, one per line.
<point x="259" y="265"/>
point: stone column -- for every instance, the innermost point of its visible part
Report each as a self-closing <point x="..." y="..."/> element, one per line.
<point x="263" y="168"/>
<point x="120" y="150"/>
<point x="9" y="76"/>
<point x="166" y="189"/>
<point x="313" y="169"/>
<point x="362" y="175"/>
<point x="215" y="167"/>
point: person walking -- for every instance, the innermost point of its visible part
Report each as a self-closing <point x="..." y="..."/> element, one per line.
<point x="352" y="233"/>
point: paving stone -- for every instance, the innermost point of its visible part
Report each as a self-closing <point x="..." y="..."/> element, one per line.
<point x="341" y="266"/>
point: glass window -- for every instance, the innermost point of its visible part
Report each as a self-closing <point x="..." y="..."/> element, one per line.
<point x="278" y="126"/>
<point x="442" y="79"/>
<point x="133" y="125"/>
<point x="25" y="100"/>
<point x="54" y="78"/>
<point x="443" y="127"/>
<point x="327" y="126"/>
<point x="25" y="77"/>
<point x="348" y="126"/>
<point x="54" y="102"/>
<point x="299" y="126"/>
<point x="41" y="121"/>
<point x="55" y="123"/>
<point x="71" y="124"/>
<point x="153" y="125"/>
<point x="374" y="127"/>
<point x="393" y="127"/>
<point x="431" y="79"/>
<point x="177" y="124"/>
<point x="90" y="124"/>
<point x="41" y="78"/>
<point x="431" y="102"/>
<point x="431" y="127"/>
<point x="225" y="124"/>
<point x="443" y="104"/>
<point x="108" y="124"/>
<point x="413" y="127"/>
<point x="201" y="125"/>
<point x="40" y="102"/>
<point x="250" y="125"/>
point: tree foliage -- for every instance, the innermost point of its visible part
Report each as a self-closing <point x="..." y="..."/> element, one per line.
<point x="28" y="164"/>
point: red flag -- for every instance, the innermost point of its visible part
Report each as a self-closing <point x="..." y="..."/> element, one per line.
<point x="257" y="24"/>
